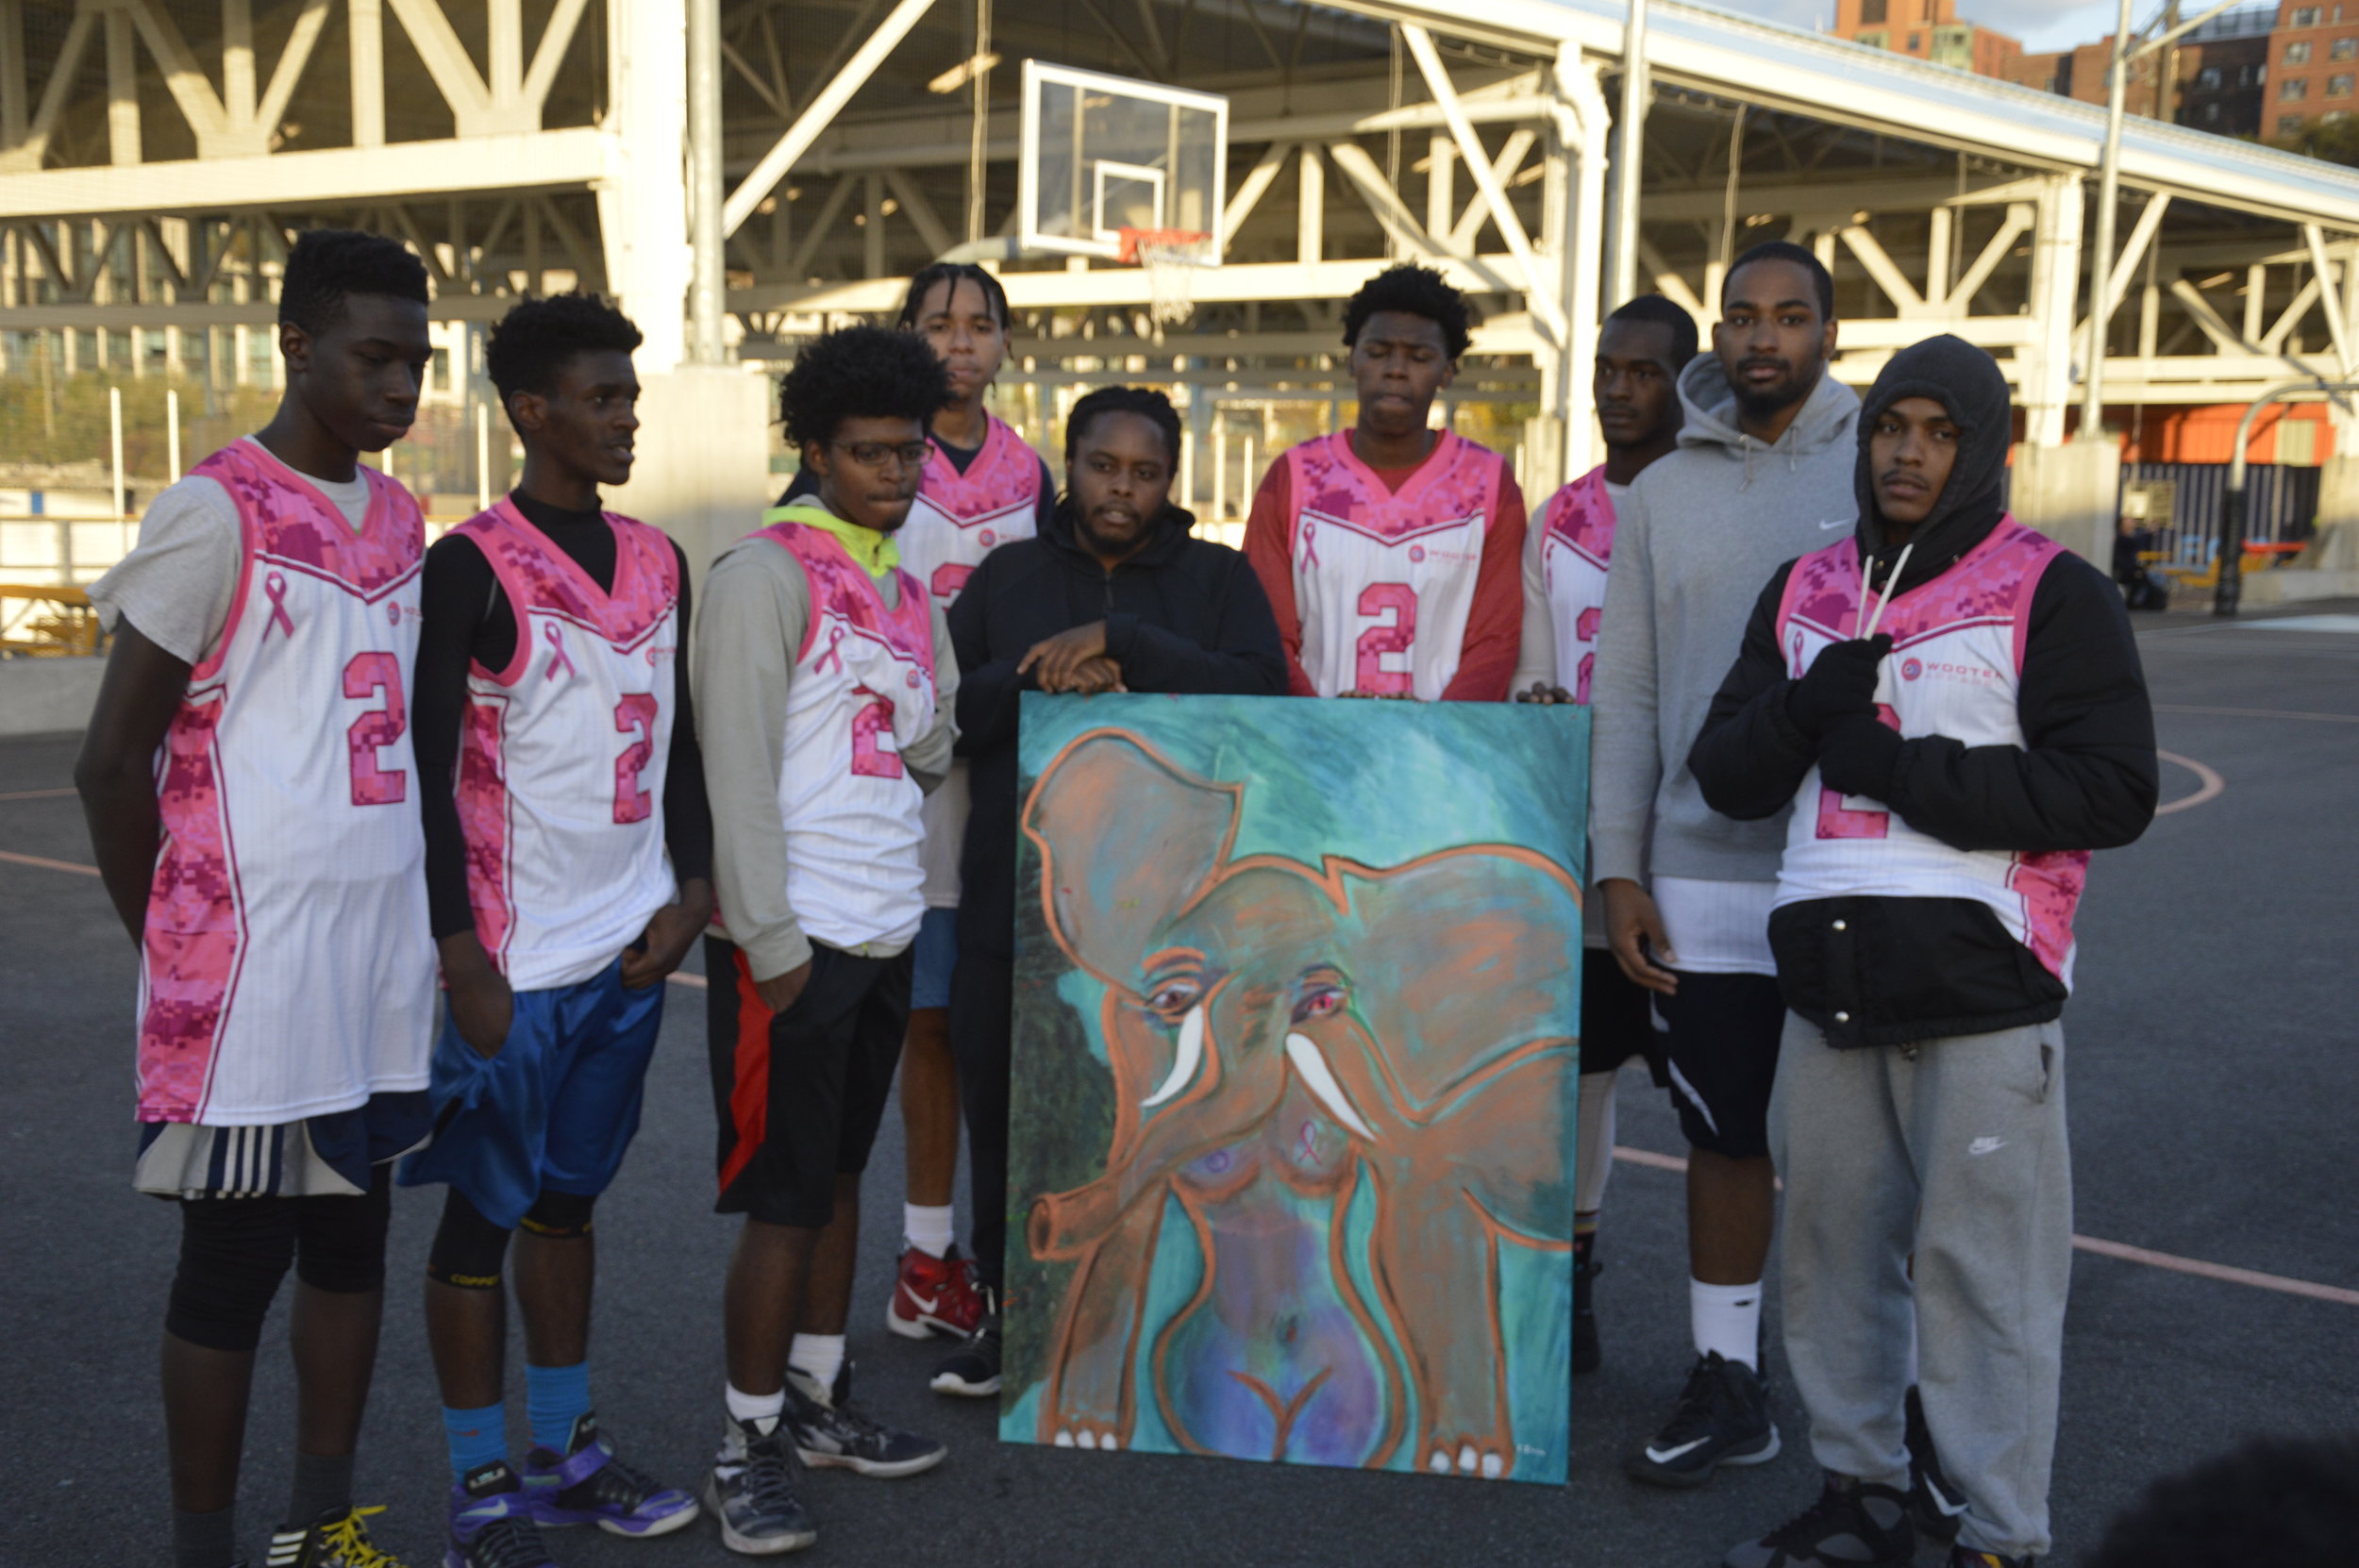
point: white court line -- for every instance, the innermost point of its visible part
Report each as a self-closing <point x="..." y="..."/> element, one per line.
<point x="2121" y="1250"/>
<point x="2213" y="784"/>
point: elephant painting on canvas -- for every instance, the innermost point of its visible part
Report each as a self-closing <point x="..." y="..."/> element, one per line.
<point x="1345" y="1087"/>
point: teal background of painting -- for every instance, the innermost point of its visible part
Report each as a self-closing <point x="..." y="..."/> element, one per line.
<point x="1376" y="782"/>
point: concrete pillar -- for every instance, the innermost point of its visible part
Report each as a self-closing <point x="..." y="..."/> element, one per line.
<point x="2337" y="547"/>
<point x="643" y="198"/>
<point x="703" y="474"/>
<point x="2072" y="492"/>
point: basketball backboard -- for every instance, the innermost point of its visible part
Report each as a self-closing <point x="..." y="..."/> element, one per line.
<point x="1104" y="154"/>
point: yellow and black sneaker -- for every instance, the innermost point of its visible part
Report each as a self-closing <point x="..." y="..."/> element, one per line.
<point x="331" y="1541"/>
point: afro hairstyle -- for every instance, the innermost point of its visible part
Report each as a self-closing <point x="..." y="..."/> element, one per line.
<point x="860" y="373"/>
<point x="530" y="345"/>
<point x="328" y="264"/>
<point x="2285" y="1502"/>
<point x="1123" y="400"/>
<point x="1412" y="291"/>
<point x="1656" y="310"/>
<point x="1785" y="250"/>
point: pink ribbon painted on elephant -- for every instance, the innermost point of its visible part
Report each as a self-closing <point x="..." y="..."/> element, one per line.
<point x="274" y="585"/>
<point x="555" y="636"/>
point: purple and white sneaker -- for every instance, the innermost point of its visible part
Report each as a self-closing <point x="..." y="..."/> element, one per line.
<point x="588" y="1485"/>
<point x="492" y="1524"/>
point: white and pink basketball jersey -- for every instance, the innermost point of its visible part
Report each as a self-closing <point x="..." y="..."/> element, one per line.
<point x="1954" y="669"/>
<point x="958" y="518"/>
<point x="863" y="688"/>
<point x="563" y="760"/>
<point x="288" y="966"/>
<point x="1385" y="582"/>
<point x="1575" y="545"/>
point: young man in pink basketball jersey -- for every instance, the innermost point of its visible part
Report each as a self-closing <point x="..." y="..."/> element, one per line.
<point x="982" y="488"/>
<point x="826" y="682"/>
<point x="1390" y="551"/>
<point x="1947" y="778"/>
<point x="247" y="776"/>
<point x="1641" y="350"/>
<point x="568" y="868"/>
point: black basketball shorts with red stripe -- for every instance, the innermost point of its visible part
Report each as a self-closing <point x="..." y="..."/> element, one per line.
<point x="800" y="1093"/>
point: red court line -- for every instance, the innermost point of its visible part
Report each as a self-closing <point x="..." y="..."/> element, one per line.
<point x="2213" y="785"/>
<point x="48" y="865"/>
<point x="2120" y="1250"/>
<point x="2258" y="713"/>
<point x="37" y="794"/>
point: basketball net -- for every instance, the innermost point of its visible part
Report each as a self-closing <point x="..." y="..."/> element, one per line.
<point x="1171" y="257"/>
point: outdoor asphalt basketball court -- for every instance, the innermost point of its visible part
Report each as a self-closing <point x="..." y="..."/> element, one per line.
<point x="2215" y="1062"/>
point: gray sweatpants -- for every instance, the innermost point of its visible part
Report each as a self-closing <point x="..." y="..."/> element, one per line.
<point x="1953" y="1150"/>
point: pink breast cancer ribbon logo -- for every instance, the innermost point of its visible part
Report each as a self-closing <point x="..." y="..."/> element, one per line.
<point x="1310" y="543"/>
<point x="274" y="585"/>
<point x="833" y="658"/>
<point x="555" y="636"/>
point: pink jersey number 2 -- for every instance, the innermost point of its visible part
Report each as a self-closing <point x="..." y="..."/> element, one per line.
<point x="367" y="676"/>
<point x="1396" y="635"/>
<point x="1585" y="631"/>
<point x="634" y="715"/>
<point x="870" y="759"/>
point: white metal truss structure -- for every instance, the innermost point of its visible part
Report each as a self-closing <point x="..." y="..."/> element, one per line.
<point x="155" y="155"/>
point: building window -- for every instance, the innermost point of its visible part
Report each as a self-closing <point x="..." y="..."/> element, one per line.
<point x="2292" y="90"/>
<point x="2289" y="123"/>
<point x="2343" y="48"/>
<point x="2305" y="16"/>
<point x="2333" y="117"/>
<point x="2211" y="114"/>
<point x="2296" y="54"/>
<point x="1871" y="12"/>
<point x="1916" y="41"/>
<point x="2338" y="87"/>
<point x="2208" y="78"/>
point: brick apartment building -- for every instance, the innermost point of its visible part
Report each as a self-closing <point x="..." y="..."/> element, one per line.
<point x="1927" y="30"/>
<point x="2313" y="59"/>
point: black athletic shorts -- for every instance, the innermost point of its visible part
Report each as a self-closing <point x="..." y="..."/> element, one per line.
<point x="1722" y="1045"/>
<point x="800" y="1093"/>
<point x="1616" y="1019"/>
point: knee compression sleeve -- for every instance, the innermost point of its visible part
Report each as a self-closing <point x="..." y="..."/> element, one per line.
<point x="468" y="1249"/>
<point x="233" y="1253"/>
<point x="559" y="1216"/>
<point x="340" y="1241"/>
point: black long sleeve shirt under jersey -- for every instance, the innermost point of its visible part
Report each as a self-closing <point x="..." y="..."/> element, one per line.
<point x="468" y="620"/>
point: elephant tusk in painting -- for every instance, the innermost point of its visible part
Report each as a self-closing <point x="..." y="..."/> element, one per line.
<point x="1319" y="1079"/>
<point x="1189" y="1057"/>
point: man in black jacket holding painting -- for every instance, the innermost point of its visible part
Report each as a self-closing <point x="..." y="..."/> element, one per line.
<point x="1950" y="771"/>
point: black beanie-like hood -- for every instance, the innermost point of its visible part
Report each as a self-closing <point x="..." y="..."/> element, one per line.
<point x="1966" y="381"/>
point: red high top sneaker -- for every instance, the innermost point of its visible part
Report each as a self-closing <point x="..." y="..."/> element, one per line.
<point x="935" y="1295"/>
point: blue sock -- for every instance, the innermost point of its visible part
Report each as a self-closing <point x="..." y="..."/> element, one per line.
<point x="554" y="1397"/>
<point x="477" y="1437"/>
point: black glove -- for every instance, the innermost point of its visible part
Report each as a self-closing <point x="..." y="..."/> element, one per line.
<point x="1859" y="756"/>
<point x="1839" y="684"/>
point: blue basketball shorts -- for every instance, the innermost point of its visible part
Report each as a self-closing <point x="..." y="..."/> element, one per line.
<point x="555" y="1109"/>
<point x="936" y="952"/>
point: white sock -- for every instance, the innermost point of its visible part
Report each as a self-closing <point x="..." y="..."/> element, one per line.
<point x="1727" y="1318"/>
<point x="754" y="1406"/>
<point x="927" y="1229"/>
<point x="1595" y="1144"/>
<point x="817" y="1356"/>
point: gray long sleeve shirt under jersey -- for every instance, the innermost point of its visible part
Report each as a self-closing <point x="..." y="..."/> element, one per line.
<point x="755" y="609"/>
<point x="1699" y="533"/>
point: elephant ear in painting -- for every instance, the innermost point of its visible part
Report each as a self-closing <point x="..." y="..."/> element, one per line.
<point x="1462" y="959"/>
<point x="1126" y="840"/>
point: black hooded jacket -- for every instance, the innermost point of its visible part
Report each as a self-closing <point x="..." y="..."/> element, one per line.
<point x="1880" y="971"/>
<point x="1182" y="615"/>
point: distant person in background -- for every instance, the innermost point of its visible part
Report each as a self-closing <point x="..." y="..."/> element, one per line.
<point x="569" y="866"/>
<point x="1114" y="595"/>
<point x="249" y="783"/>
<point x="1943" y="783"/>
<point x="1763" y="472"/>
<point x="1641" y="351"/>
<point x="1390" y="551"/>
<point x="2139" y="589"/>
<point x="2269" y="1502"/>
<point x="824" y="685"/>
<point x="982" y="487"/>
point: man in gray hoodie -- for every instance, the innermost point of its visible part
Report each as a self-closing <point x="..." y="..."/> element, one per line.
<point x="1763" y="475"/>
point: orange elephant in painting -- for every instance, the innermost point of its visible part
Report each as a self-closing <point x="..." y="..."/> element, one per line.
<point x="1282" y="1036"/>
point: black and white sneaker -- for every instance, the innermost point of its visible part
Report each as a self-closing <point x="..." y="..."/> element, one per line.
<point x="830" y="1433"/>
<point x="973" y="1367"/>
<point x="1935" y="1506"/>
<point x="1855" y="1523"/>
<point x="755" y="1490"/>
<point x="1722" y="1418"/>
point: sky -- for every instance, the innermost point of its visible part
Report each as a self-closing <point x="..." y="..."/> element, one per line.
<point x="2040" y="23"/>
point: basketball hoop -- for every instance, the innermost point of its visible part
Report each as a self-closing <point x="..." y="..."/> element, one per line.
<point x="1171" y="257"/>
